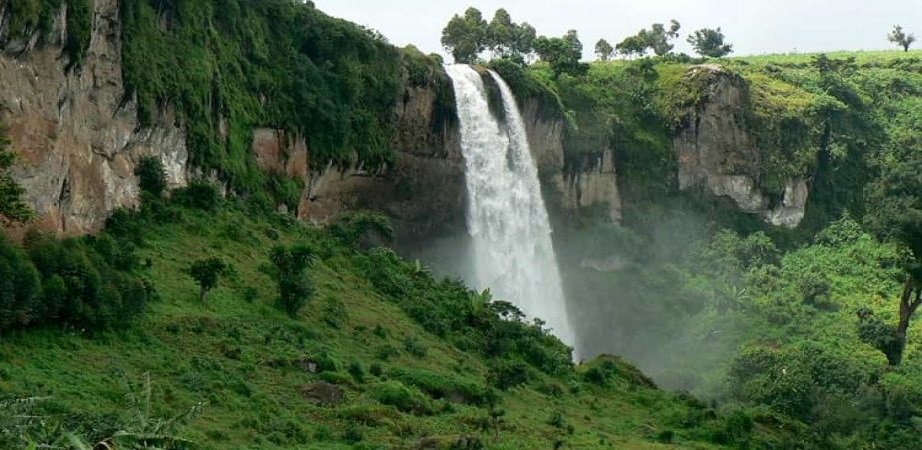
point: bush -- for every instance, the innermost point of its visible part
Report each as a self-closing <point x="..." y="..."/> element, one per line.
<point x="294" y="285"/>
<point x="199" y="194"/>
<point x="508" y="374"/>
<point x="442" y="386"/>
<point x="398" y="395"/>
<point x="151" y="175"/>
<point x="362" y="229"/>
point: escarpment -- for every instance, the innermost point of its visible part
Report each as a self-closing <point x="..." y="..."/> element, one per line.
<point x="80" y="128"/>
<point x="76" y="133"/>
<point x="718" y="154"/>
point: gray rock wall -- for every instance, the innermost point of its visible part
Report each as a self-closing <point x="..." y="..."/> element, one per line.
<point x="77" y="139"/>
<point x="716" y="154"/>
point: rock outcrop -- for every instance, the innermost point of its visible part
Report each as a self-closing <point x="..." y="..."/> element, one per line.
<point x="592" y="186"/>
<point x="716" y="154"/>
<point x="77" y="135"/>
<point x="79" y="140"/>
<point x="422" y="192"/>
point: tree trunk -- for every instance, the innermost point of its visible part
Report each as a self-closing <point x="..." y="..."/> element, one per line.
<point x="909" y="303"/>
<point x="201" y="295"/>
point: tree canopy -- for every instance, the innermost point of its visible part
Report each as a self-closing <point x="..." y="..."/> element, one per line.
<point x="563" y="53"/>
<point x="709" y="42"/>
<point x="657" y="38"/>
<point x="901" y="38"/>
<point x="467" y="36"/>
<point x="207" y="272"/>
<point x="603" y="50"/>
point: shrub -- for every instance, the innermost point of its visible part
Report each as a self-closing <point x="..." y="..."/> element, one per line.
<point x="151" y="175"/>
<point x="362" y="229"/>
<point x="357" y="370"/>
<point x="398" y="395"/>
<point x="440" y="386"/>
<point x="508" y="374"/>
<point x="294" y="285"/>
<point x="199" y="194"/>
<point x="414" y="347"/>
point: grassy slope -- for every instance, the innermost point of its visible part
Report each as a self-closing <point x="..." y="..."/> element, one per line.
<point x="238" y="355"/>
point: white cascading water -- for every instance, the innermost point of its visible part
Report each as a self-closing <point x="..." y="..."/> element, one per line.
<point x="511" y="237"/>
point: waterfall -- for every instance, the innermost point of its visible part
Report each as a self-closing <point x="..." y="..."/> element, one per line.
<point x="510" y="234"/>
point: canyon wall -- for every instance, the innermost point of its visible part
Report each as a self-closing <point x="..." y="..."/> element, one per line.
<point x="79" y="139"/>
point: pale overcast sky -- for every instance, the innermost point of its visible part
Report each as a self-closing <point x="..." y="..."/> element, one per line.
<point x="754" y="27"/>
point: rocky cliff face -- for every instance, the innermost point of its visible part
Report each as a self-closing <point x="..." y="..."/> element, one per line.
<point x="716" y="154"/>
<point x="79" y="140"/>
<point x="595" y="186"/>
<point x="423" y="192"/>
<point x="77" y="136"/>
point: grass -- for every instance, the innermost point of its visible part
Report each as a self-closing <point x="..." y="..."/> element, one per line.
<point x="246" y="360"/>
<point x="861" y="57"/>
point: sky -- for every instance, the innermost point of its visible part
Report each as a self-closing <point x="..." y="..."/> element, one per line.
<point x="753" y="27"/>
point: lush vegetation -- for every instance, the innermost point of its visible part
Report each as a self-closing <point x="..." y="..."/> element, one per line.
<point x="36" y="18"/>
<point x="380" y="355"/>
<point x="279" y="63"/>
<point x="323" y="337"/>
<point x="814" y="324"/>
<point x="13" y="207"/>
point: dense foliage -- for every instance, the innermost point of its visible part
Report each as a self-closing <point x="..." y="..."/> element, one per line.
<point x="83" y="284"/>
<point x="12" y="205"/>
<point x="295" y="286"/>
<point x="710" y="42"/>
<point x="36" y="18"/>
<point x="226" y="66"/>
<point x="385" y="354"/>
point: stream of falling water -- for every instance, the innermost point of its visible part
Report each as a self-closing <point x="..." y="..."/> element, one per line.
<point x="513" y="254"/>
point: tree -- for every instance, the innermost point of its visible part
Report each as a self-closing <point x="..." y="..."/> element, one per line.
<point x="20" y="287"/>
<point x="501" y="34"/>
<point x="289" y="271"/>
<point x="563" y="53"/>
<point x="632" y="45"/>
<point x="523" y="44"/>
<point x="895" y="214"/>
<point x="466" y="37"/>
<point x="507" y="39"/>
<point x="604" y="50"/>
<point x="657" y="38"/>
<point x="709" y="42"/>
<point x="12" y="206"/>
<point x="901" y="38"/>
<point x="151" y="176"/>
<point x="207" y="272"/>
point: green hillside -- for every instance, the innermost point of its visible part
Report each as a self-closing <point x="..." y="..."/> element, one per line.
<point x="255" y="374"/>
